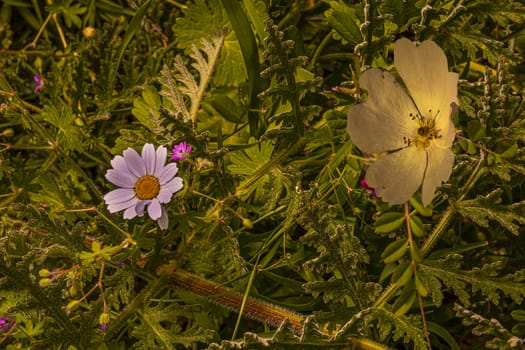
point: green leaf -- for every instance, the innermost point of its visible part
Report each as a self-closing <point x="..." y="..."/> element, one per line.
<point x="444" y="334"/>
<point x="417" y="226"/>
<point x="394" y="251"/>
<point x="71" y="13"/>
<point x="202" y="20"/>
<point x="68" y="134"/>
<point x="133" y="28"/>
<point x="246" y="162"/>
<point x="389" y="222"/>
<point x="415" y="201"/>
<point x="343" y="20"/>
<point x="485" y="208"/>
<point x="404" y="12"/>
<point x="250" y="52"/>
<point x="146" y="108"/>
<point x="518" y="315"/>
<point x="190" y="88"/>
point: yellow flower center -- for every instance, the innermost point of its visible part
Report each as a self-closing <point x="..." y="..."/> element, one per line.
<point x="425" y="133"/>
<point x="147" y="187"/>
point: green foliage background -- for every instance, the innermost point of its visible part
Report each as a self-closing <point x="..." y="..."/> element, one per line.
<point x="271" y="205"/>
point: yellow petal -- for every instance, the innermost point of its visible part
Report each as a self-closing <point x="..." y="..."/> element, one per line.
<point x="380" y="122"/>
<point x="439" y="168"/>
<point x="398" y="175"/>
<point x="424" y="71"/>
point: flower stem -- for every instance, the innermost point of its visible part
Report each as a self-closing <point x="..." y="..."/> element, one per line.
<point x="440" y="228"/>
<point x="414" y="268"/>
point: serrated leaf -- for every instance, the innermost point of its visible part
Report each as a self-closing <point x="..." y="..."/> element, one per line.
<point x="482" y="209"/>
<point x="146" y="108"/>
<point x="404" y="12"/>
<point x="203" y="19"/>
<point x="343" y="20"/>
<point x="246" y="162"/>
<point x="68" y="134"/>
<point x="180" y="83"/>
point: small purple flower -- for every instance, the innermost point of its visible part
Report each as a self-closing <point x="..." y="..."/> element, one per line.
<point x="39" y="83"/>
<point x="181" y="151"/>
<point x="121" y="263"/>
<point x="104" y="326"/>
<point x="368" y="188"/>
<point x="6" y="323"/>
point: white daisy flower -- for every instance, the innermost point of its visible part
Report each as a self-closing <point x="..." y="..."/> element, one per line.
<point x="145" y="181"/>
<point x="414" y="129"/>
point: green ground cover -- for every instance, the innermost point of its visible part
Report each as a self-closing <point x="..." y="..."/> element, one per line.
<point x="212" y="175"/>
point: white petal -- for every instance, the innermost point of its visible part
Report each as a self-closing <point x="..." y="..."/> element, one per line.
<point x="161" y="156"/>
<point x="122" y="179"/>
<point x="114" y="207"/>
<point x="119" y="195"/>
<point x="395" y="177"/>
<point x="167" y="190"/>
<point x="119" y="163"/>
<point x="439" y="168"/>
<point x="154" y="209"/>
<point x="175" y="185"/>
<point x="443" y="120"/>
<point x="139" y="208"/>
<point x="148" y="156"/>
<point x="163" y="220"/>
<point x="168" y="173"/>
<point x="134" y="162"/>
<point x="424" y="71"/>
<point x="130" y="213"/>
<point x="380" y="122"/>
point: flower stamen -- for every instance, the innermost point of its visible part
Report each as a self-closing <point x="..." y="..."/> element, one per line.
<point x="147" y="187"/>
<point x="426" y="133"/>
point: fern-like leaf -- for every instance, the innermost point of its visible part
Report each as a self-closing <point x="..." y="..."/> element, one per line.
<point x="339" y="251"/>
<point x="160" y="328"/>
<point x="489" y="207"/>
<point x="490" y="287"/>
<point x="502" y="338"/>
<point x="285" y="68"/>
<point x="175" y="93"/>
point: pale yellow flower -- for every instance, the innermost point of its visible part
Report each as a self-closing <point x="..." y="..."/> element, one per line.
<point x="415" y="129"/>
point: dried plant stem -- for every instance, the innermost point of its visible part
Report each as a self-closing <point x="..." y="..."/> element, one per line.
<point x="254" y="308"/>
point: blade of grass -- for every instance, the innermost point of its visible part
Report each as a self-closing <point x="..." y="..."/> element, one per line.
<point x="134" y="26"/>
<point x="243" y="30"/>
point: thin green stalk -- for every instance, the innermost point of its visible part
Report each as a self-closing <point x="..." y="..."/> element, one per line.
<point x="245" y="298"/>
<point x="414" y="269"/>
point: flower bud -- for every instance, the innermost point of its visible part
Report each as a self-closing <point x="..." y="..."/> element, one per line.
<point x="72" y="305"/>
<point x="8" y="132"/>
<point x="44" y="282"/>
<point x="104" y="318"/>
<point x="89" y="32"/>
<point x="73" y="290"/>
<point x="247" y="223"/>
<point x="44" y="273"/>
